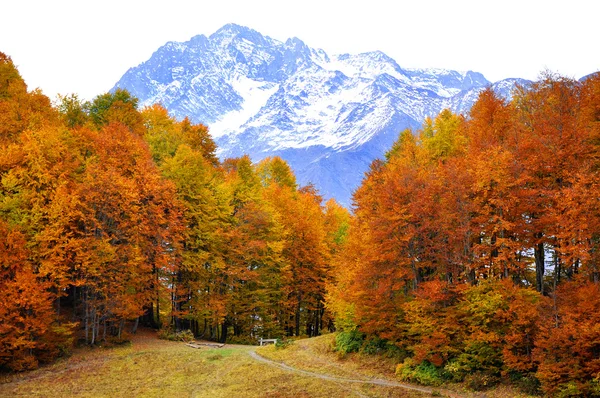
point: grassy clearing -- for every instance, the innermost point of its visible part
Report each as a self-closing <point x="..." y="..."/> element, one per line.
<point x="155" y="368"/>
<point x="317" y="355"/>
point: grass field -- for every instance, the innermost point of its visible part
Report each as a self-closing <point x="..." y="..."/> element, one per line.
<point x="156" y="368"/>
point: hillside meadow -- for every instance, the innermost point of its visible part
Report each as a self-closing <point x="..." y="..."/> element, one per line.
<point x="151" y="367"/>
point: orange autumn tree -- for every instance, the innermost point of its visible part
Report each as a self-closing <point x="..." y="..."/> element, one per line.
<point x="251" y="263"/>
<point x="255" y="245"/>
<point x="548" y="147"/>
<point x="202" y="280"/>
<point x="201" y="286"/>
<point x="487" y="209"/>
<point x="304" y="250"/>
<point x="128" y="216"/>
<point x="568" y="346"/>
<point x="92" y="207"/>
<point x="34" y="163"/>
<point x="337" y="223"/>
<point x="569" y="342"/>
<point x="28" y="324"/>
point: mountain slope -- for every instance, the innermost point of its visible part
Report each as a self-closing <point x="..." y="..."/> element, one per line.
<point x="329" y="116"/>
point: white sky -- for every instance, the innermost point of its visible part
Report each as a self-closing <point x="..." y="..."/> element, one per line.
<point x="84" y="47"/>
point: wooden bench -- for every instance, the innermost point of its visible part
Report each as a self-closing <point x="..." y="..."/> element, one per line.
<point x="267" y="341"/>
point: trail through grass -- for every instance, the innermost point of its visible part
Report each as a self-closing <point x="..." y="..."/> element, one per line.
<point x="155" y="368"/>
<point x="315" y="357"/>
<point x="150" y="367"/>
<point x="378" y="382"/>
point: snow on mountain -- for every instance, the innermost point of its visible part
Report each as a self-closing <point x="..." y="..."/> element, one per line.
<point x="329" y="116"/>
<point x="255" y="95"/>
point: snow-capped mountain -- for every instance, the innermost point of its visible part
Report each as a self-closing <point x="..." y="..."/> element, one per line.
<point x="329" y="116"/>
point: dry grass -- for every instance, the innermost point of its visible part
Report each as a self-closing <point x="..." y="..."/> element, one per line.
<point x="317" y="355"/>
<point x="156" y="368"/>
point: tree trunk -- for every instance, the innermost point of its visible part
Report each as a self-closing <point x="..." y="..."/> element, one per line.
<point x="224" y="327"/>
<point x="297" y="317"/>
<point x="318" y="320"/>
<point x="539" y="267"/>
<point x="121" y="325"/>
<point x="472" y="277"/>
<point x="135" y="325"/>
<point x="557" y="270"/>
<point x="87" y="323"/>
<point x="416" y="275"/>
<point x="203" y="330"/>
<point x="58" y="307"/>
<point x="157" y="307"/>
<point x="74" y="317"/>
<point x="97" y="326"/>
<point x="93" y="326"/>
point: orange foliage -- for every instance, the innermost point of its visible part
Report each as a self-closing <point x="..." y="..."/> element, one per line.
<point x="456" y="226"/>
<point x="568" y="347"/>
<point x="25" y="307"/>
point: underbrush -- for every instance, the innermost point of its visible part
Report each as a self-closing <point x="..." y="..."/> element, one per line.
<point x="359" y="348"/>
<point x="241" y="340"/>
<point x="173" y="335"/>
<point x="528" y="384"/>
<point x="283" y="343"/>
<point x="346" y="342"/>
<point x="113" y="341"/>
<point x="423" y="373"/>
<point x="355" y="341"/>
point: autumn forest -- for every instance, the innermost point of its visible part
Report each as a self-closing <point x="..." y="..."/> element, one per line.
<point x="471" y="252"/>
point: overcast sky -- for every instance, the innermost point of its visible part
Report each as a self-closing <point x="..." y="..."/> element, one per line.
<point x="84" y="47"/>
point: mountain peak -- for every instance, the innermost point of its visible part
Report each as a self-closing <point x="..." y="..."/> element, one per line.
<point x="230" y="28"/>
<point x="379" y="56"/>
<point x="328" y="116"/>
<point x="294" y="42"/>
<point x="237" y="35"/>
<point x="297" y="50"/>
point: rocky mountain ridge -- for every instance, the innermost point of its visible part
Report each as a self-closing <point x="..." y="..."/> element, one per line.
<point x="329" y="116"/>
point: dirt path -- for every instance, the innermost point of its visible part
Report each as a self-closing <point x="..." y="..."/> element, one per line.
<point x="379" y="382"/>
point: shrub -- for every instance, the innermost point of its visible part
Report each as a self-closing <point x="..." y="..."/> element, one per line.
<point x="351" y="341"/>
<point x="170" y="334"/>
<point x="185" y="335"/>
<point x="528" y="384"/>
<point x="374" y="345"/>
<point x="453" y="371"/>
<point x="20" y="363"/>
<point x="574" y="389"/>
<point x="244" y="340"/>
<point x="569" y="389"/>
<point x="57" y="342"/>
<point x="423" y="373"/>
<point x="377" y="346"/>
<point x="480" y="381"/>
<point x="116" y="340"/>
<point x="283" y="343"/>
<point x="477" y="357"/>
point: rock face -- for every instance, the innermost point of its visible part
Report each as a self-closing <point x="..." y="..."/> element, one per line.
<point x="329" y="116"/>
